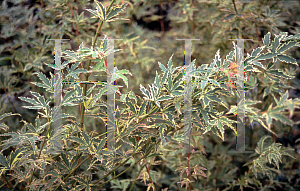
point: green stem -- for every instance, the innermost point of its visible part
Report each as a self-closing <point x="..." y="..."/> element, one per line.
<point x="89" y="62"/>
<point x="88" y="66"/>
<point x="87" y="77"/>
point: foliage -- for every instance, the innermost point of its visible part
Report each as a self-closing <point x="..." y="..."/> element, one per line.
<point x="149" y="122"/>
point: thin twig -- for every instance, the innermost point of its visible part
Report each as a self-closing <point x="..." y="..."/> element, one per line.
<point x="148" y="170"/>
<point x="133" y="164"/>
<point x="6" y="183"/>
<point x="233" y="1"/>
<point x="64" y="179"/>
<point x="142" y="167"/>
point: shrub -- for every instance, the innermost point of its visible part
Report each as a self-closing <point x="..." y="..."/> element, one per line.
<point x="151" y="127"/>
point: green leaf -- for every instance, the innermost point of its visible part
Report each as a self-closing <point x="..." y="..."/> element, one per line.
<point x="33" y="102"/>
<point x="228" y="17"/>
<point x="62" y="116"/>
<point x="226" y="121"/>
<point x="162" y="130"/>
<point x="156" y="81"/>
<point x="62" y="166"/>
<point x="101" y="12"/>
<point x="131" y="95"/>
<point x="27" y="67"/>
<point x="177" y="93"/>
<point x="97" y="96"/>
<point x="270" y="65"/>
<point x="5" y="127"/>
<point x="90" y="90"/>
<point x="277" y="109"/>
<point x="163" y="98"/>
<point x="67" y="96"/>
<point x="99" y="66"/>
<point x="177" y="79"/>
<point x="260" y="145"/>
<point x="268" y="11"/>
<point x="163" y="68"/>
<point x="153" y="175"/>
<point x="177" y="105"/>
<point x="170" y="63"/>
<point x="279" y="73"/>
<point x="66" y="161"/>
<point x="275" y="43"/>
<point x="266" y="39"/>
<point x="170" y="84"/>
<point x="131" y="106"/>
<point x="281" y="118"/>
<point x="142" y="108"/>
<point x="162" y="82"/>
<point x="40" y="98"/>
<point x="266" y="91"/>
<point x="114" y="12"/>
<point x="286" y="46"/>
<point x="38" y="128"/>
<point x="93" y="12"/>
<point x="256" y="51"/>
<point x="46" y="82"/>
<point x="87" y="104"/>
<point x="287" y="59"/>
<point x="119" y="74"/>
<point x="14" y="157"/>
<point x="265" y="56"/>
<point x="133" y="141"/>
<point x="208" y="97"/>
<point x="205" y="115"/>
<point x="101" y="145"/>
<point x="76" y="139"/>
<point x="145" y="92"/>
<point x="292" y="37"/>
<point x="258" y="120"/>
<point x="221" y="129"/>
<point x="170" y="118"/>
<point x="3" y="161"/>
<point x="258" y="64"/>
<point x="74" y="71"/>
<point x="71" y="55"/>
<point x="86" y="137"/>
<point x="272" y="78"/>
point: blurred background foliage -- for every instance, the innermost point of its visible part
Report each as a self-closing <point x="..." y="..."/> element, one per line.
<point x="149" y="36"/>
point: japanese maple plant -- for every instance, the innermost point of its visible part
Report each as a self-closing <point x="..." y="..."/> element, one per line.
<point x="150" y="127"/>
